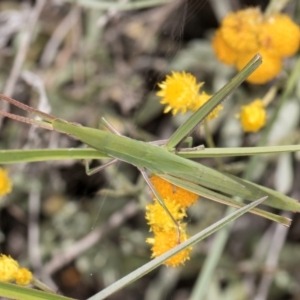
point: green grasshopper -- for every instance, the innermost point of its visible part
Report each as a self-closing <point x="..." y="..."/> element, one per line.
<point x="165" y="161"/>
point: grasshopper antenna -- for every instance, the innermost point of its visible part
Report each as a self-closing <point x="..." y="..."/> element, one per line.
<point x="47" y="117"/>
<point x="28" y="108"/>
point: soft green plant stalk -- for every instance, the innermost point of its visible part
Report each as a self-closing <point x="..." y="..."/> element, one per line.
<point x="211" y="144"/>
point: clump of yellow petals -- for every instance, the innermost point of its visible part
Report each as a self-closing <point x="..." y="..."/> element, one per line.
<point x="166" y="240"/>
<point x="246" y="32"/>
<point x="179" y="91"/>
<point x="164" y="230"/>
<point x="23" y="277"/>
<point x="202" y="99"/>
<point x="10" y="271"/>
<point x="239" y="30"/>
<point x="158" y="218"/>
<point x="280" y="34"/>
<point x="224" y="52"/>
<point x="5" y="183"/>
<point x="8" y="268"/>
<point x="253" y="116"/>
<point x="176" y="194"/>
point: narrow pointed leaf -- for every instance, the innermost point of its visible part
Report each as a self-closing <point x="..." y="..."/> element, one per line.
<point x="275" y="199"/>
<point x="118" y="6"/>
<point x="234" y="186"/>
<point x="239" y="151"/>
<point x="18" y="292"/>
<point x="206" y="193"/>
<point x="227" y="184"/>
<point x="35" y="155"/>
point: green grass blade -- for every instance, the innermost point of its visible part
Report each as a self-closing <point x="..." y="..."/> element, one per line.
<point x="186" y="128"/>
<point x="275" y="199"/>
<point x="35" y="155"/>
<point x="240" y="151"/>
<point x="108" y="5"/>
<point x="135" y="275"/>
<point x="227" y="184"/>
<point x="206" y="193"/>
<point x="14" y="291"/>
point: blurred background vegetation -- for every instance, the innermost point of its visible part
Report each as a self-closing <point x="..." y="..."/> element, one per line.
<point x="83" y="61"/>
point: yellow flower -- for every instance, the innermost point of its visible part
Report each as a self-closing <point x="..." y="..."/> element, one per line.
<point x="253" y="116"/>
<point x="10" y="271"/>
<point x="165" y="232"/>
<point x="239" y="30"/>
<point x="179" y="91"/>
<point x="169" y="191"/>
<point x="5" y="183"/>
<point x="23" y="277"/>
<point x="158" y="218"/>
<point x="280" y="35"/>
<point x="223" y="51"/>
<point x="166" y="240"/>
<point x="246" y="32"/>
<point x="8" y="268"/>
<point x="202" y="99"/>
<point x="269" y="69"/>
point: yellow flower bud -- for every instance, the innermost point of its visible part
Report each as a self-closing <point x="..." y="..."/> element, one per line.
<point x="166" y="240"/>
<point x="239" y="30"/>
<point x="179" y="91"/>
<point x="5" y="183"/>
<point x="8" y="268"/>
<point x="158" y="218"/>
<point x="253" y="116"/>
<point x="223" y="51"/>
<point x="175" y="193"/>
<point x="280" y="34"/>
<point x="23" y="276"/>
